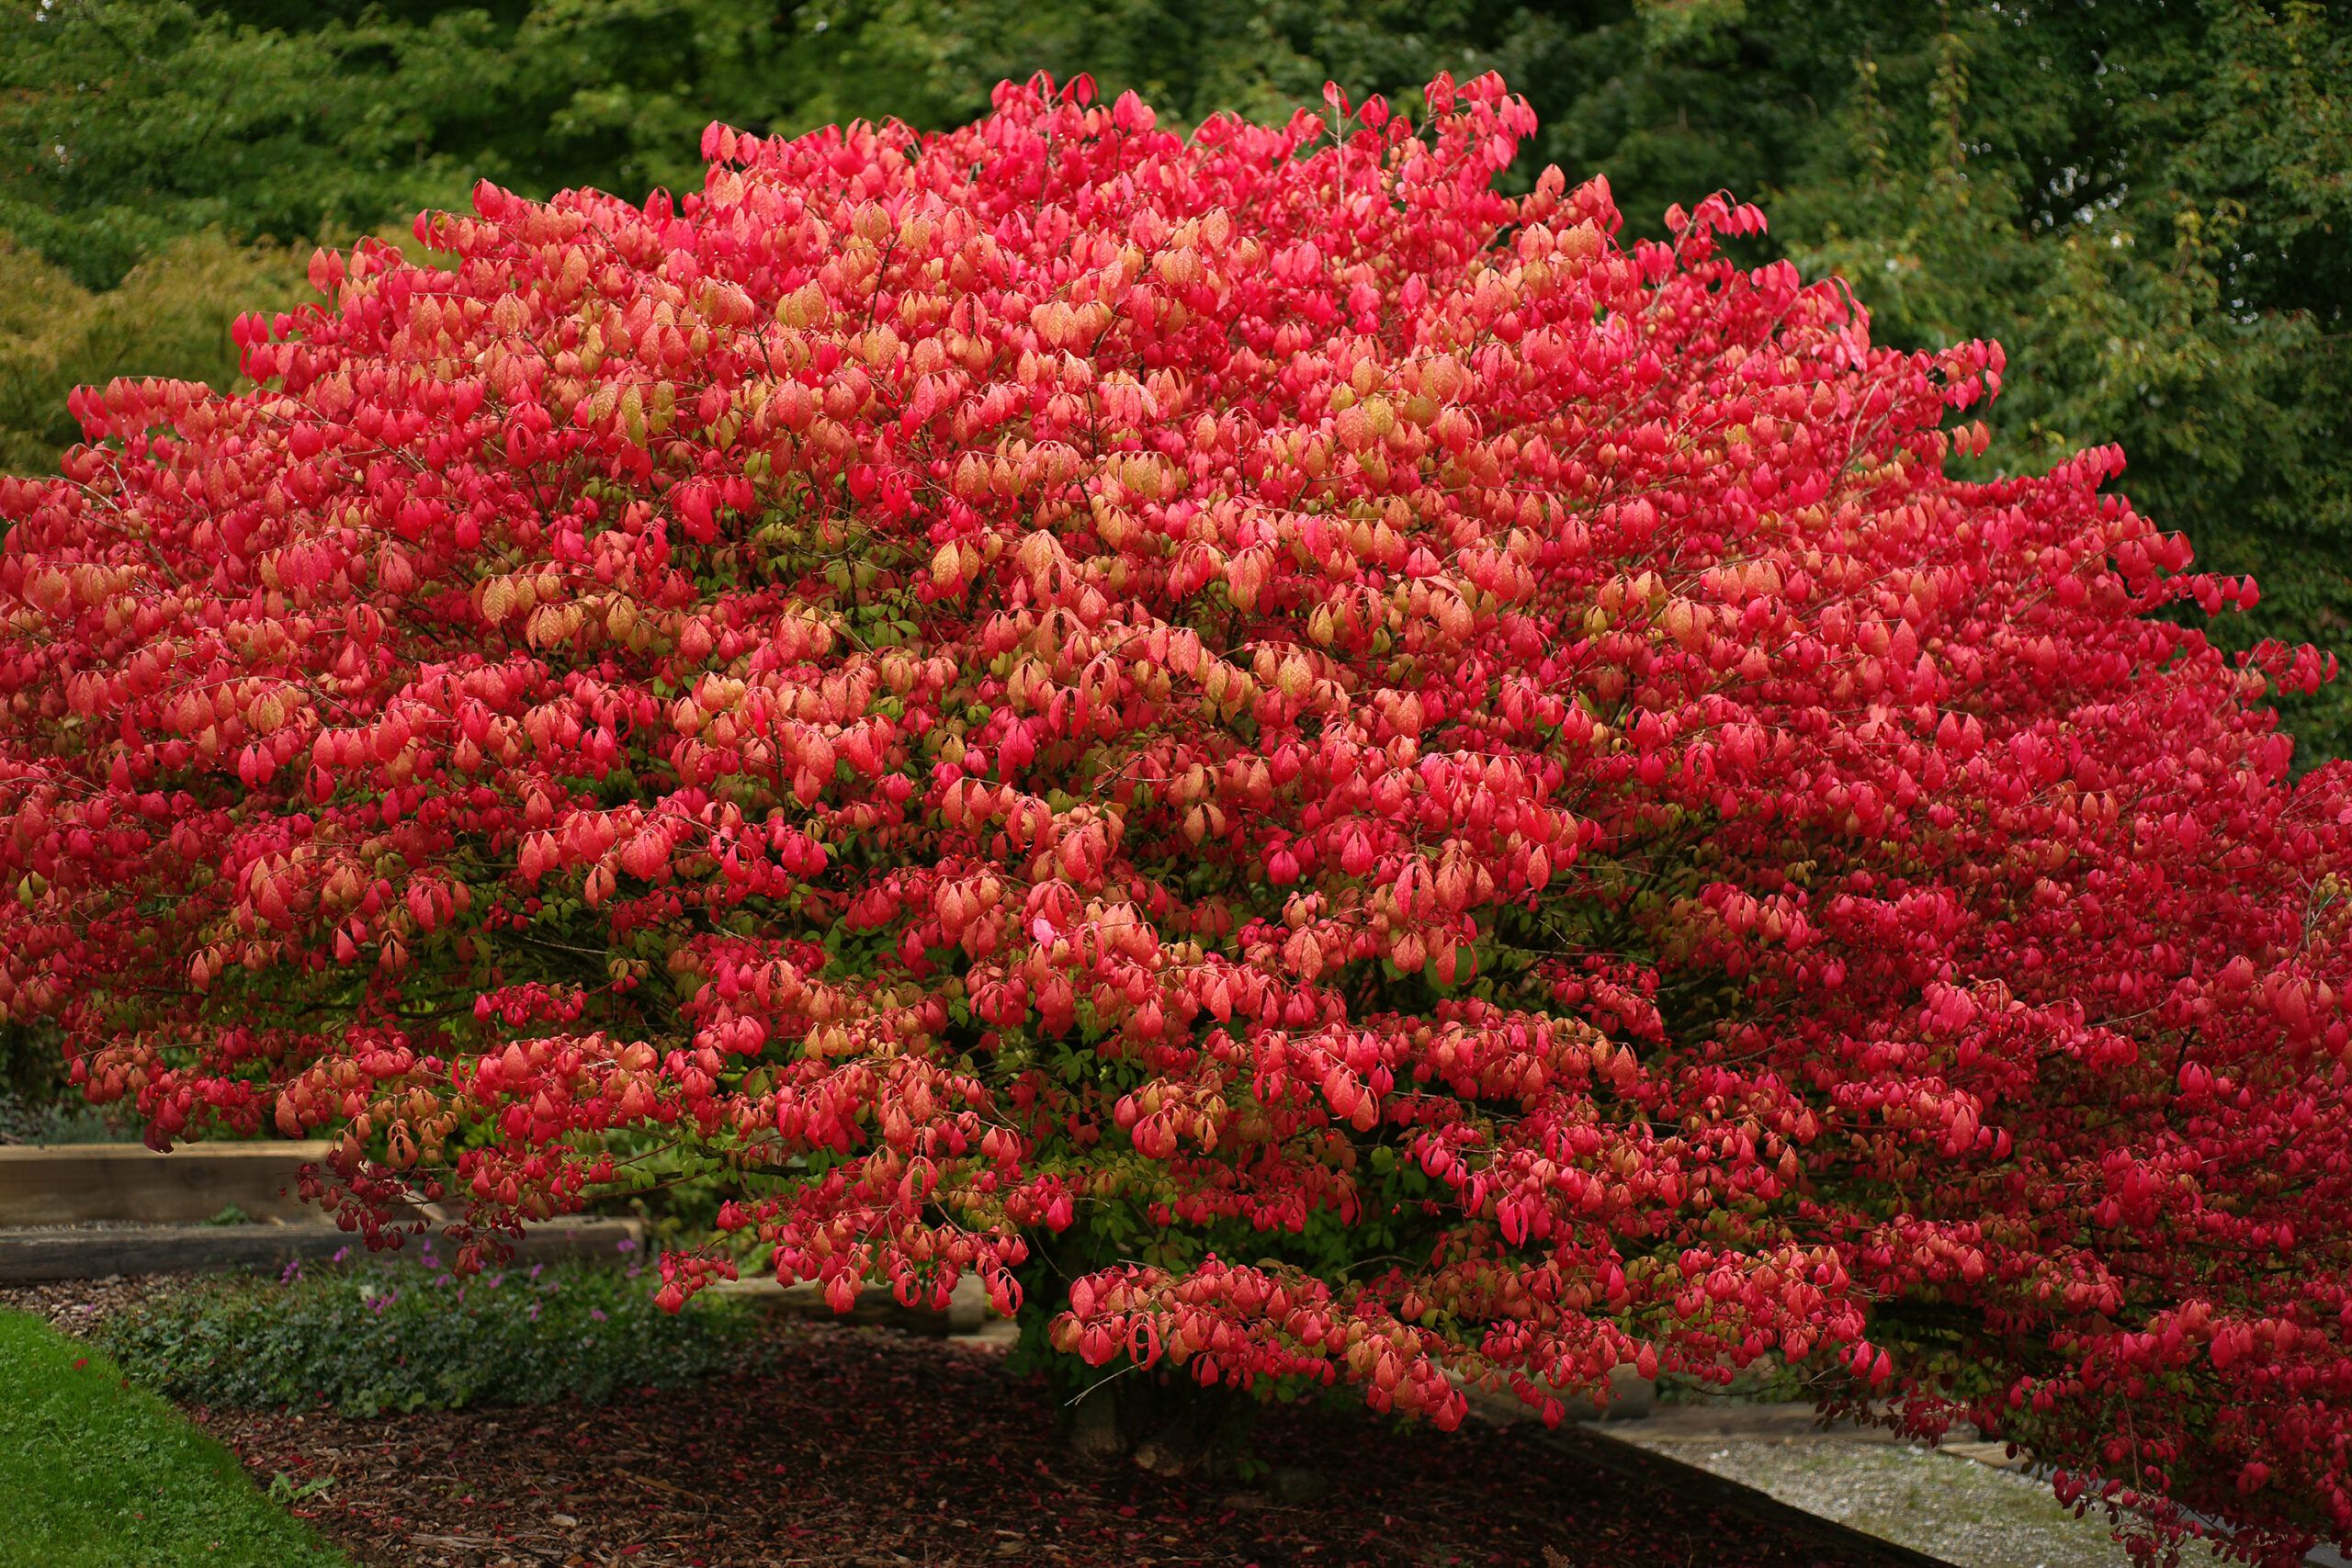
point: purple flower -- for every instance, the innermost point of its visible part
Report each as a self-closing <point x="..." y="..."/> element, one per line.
<point x="596" y="1314"/>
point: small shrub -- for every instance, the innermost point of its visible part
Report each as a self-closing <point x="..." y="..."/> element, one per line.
<point x="26" y="1119"/>
<point x="38" y="1103"/>
<point x="408" y="1336"/>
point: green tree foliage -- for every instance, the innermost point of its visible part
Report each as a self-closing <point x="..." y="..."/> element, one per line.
<point x="170" y="318"/>
<point x="2147" y="203"/>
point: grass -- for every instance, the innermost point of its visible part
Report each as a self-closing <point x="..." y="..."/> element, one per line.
<point x="98" y="1474"/>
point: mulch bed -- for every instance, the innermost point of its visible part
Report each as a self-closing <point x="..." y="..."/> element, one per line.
<point x="72" y="1306"/>
<point x="867" y="1447"/>
<point x="864" y="1448"/>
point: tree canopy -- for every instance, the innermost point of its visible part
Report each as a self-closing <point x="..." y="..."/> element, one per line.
<point x="2147" y="204"/>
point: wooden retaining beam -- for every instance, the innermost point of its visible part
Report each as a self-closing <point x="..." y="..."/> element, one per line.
<point x="967" y="1313"/>
<point x="76" y="1183"/>
<point x="89" y="1252"/>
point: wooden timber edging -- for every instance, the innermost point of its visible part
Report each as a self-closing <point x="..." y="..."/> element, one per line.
<point x="77" y="1183"/>
<point x="29" y="1256"/>
<point x="877" y="1305"/>
<point x="1595" y="1450"/>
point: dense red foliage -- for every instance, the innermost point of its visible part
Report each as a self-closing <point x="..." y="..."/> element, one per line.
<point x="1337" y="774"/>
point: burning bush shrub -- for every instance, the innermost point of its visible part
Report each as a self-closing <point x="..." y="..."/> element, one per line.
<point x="1326" y="775"/>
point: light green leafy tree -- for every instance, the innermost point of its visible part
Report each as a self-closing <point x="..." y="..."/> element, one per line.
<point x="170" y="318"/>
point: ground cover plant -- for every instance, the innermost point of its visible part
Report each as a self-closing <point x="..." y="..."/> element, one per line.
<point x="414" y="1335"/>
<point x="1328" y="776"/>
<point x="99" y="1473"/>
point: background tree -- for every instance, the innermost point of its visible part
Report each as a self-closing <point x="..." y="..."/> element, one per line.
<point x="169" y="318"/>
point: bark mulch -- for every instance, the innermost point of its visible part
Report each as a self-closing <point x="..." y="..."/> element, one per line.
<point x="864" y="1448"/>
<point x="74" y="1306"/>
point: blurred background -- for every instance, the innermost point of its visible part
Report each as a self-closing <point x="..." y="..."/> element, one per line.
<point x="2146" y="200"/>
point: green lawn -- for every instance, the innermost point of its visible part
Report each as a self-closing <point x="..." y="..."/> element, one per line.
<point x="99" y="1475"/>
